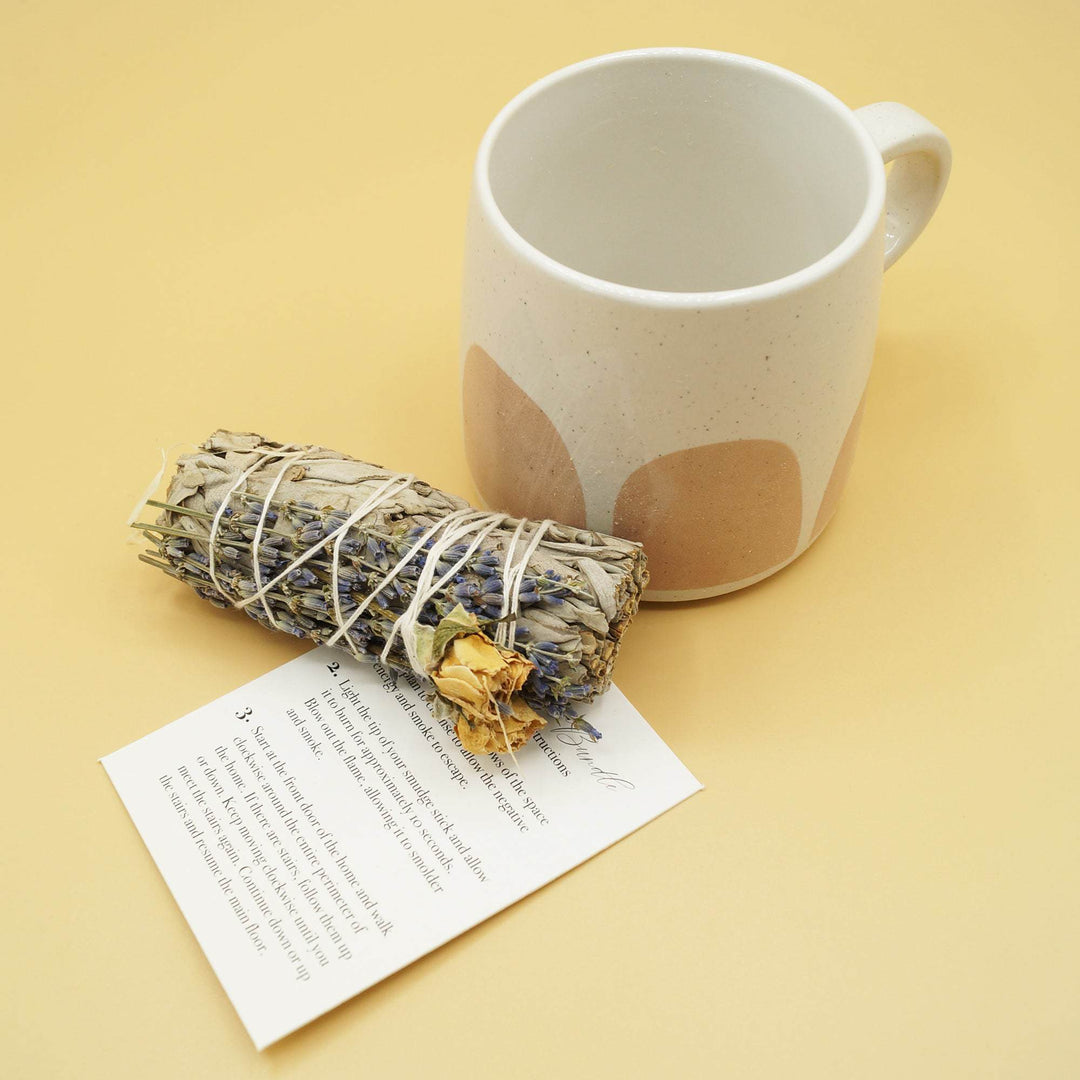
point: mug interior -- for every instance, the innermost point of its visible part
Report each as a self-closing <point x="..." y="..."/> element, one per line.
<point x="679" y="171"/>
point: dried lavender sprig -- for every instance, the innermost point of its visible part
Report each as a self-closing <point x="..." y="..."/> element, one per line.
<point x="560" y="678"/>
<point x="573" y="587"/>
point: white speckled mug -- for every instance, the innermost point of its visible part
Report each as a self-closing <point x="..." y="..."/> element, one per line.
<point x="673" y="265"/>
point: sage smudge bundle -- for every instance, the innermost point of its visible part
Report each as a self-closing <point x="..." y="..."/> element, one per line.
<point x="513" y="623"/>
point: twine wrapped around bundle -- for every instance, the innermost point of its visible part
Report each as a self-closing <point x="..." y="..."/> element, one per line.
<point x="514" y="622"/>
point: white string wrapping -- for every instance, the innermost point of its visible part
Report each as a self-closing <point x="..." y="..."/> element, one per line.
<point x="223" y="506"/>
<point x="344" y="627"/>
<point x="454" y="528"/>
<point x="500" y="631"/>
<point x="394" y="485"/>
<point x="406" y="622"/>
<point x="513" y="579"/>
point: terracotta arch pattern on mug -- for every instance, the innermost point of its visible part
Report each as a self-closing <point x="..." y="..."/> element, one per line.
<point x="518" y="460"/>
<point x="718" y="513"/>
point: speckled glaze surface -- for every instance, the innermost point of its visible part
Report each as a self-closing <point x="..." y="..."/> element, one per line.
<point x="697" y="404"/>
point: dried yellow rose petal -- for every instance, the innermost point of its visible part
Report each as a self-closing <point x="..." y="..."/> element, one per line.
<point x="482" y="680"/>
<point x="484" y="736"/>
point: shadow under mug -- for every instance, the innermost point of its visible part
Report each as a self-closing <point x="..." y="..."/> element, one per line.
<point x="673" y="265"/>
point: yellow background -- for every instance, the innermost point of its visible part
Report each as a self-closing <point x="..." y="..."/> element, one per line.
<point x="251" y="215"/>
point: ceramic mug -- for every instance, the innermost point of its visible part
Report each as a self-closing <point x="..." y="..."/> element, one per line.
<point x="673" y="265"/>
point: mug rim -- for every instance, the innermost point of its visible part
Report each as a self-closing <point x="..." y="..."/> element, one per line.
<point x="797" y="279"/>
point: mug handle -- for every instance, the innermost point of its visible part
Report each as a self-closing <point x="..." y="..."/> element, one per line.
<point x="917" y="181"/>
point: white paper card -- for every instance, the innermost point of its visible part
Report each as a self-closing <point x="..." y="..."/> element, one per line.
<point x="320" y="830"/>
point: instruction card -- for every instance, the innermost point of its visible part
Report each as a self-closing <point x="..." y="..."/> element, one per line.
<point x="320" y="829"/>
